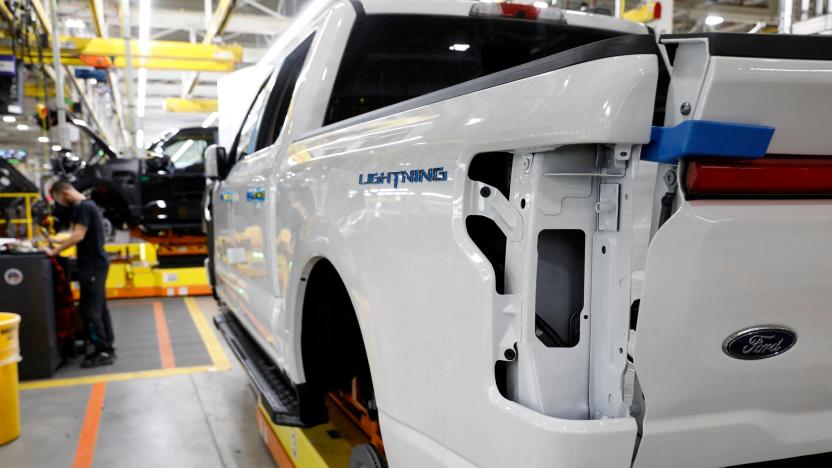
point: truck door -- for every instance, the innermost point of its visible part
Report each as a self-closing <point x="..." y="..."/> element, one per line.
<point x="187" y="181"/>
<point x="245" y="264"/>
<point x="252" y="179"/>
<point x="733" y="324"/>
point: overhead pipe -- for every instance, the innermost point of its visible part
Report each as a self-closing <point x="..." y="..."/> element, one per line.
<point x="218" y="22"/>
<point x="128" y="78"/>
<point x="63" y="135"/>
<point x="51" y="73"/>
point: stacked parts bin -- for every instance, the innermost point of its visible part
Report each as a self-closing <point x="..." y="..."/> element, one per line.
<point x="9" y="357"/>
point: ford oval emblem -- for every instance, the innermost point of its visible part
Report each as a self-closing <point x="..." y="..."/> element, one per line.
<point x="759" y="342"/>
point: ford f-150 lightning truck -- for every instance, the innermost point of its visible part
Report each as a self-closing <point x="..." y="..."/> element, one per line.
<point x="520" y="236"/>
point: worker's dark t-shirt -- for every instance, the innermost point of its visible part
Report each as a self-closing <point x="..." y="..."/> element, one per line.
<point x="91" y="255"/>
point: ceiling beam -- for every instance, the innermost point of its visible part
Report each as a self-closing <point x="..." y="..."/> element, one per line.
<point x="5" y="12"/>
<point x="217" y="26"/>
<point x="257" y="6"/>
<point x="202" y="90"/>
<point x="46" y="25"/>
<point x="100" y="24"/>
<point x="96" y="11"/>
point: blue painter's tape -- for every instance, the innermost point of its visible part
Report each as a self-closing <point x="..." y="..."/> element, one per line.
<point x="707" y="138"/>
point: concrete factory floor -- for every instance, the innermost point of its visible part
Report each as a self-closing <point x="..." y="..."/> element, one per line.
<point x="175" y="397"/>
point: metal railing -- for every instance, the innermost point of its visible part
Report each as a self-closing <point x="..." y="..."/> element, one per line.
<point x="28" y="198"/>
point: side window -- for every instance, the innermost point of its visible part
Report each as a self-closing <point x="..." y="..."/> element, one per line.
<point x="246" y="138"/>
<point x="280" y="98"/>
<point x="392" y="58"/>
<point x="185" y="151"/>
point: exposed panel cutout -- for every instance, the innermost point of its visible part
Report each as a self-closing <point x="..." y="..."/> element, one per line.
<point x="492" y="242"/>
<point x="559" y="297"/>
<point x="493" y="169"/>
<point x="501" y="378"/>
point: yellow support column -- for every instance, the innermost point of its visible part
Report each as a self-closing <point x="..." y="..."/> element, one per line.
<point x="28" y="218"/>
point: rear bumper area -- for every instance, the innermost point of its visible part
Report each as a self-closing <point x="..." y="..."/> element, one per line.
<point x="506" y="434"/>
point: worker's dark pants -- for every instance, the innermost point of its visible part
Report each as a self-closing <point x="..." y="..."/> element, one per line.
<point x="94" y="310"/>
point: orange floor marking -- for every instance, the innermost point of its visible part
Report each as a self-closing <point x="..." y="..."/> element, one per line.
<point x="85" y="452"/>
<point x="163" y="336"/>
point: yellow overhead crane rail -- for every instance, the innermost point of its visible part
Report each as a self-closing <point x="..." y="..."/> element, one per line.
<point x="158" y="55"/>
<point x="190" y="105"/>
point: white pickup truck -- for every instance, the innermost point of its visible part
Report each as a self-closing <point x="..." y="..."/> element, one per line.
<point x="511" y="236"/>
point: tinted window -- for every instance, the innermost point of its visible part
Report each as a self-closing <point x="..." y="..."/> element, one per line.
<point x="393" y="58"/>
<point x="244" y="144"/>
<point x="186" y="150"/>
<point x="281" y="96"/>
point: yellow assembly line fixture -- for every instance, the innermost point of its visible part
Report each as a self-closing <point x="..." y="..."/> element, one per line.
<point x="323" y="446"/>
<point x="28" y="197"/>
<point x="644" y="13"/>
<point x="135" y="272"/>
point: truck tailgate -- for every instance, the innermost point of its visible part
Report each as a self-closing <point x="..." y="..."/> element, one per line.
<point x="752" y="266"/>
<point x="716" y="268"/>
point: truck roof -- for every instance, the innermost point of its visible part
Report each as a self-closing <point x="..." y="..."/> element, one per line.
<point x="434" y="7"/>
<point x="463" y="8"/>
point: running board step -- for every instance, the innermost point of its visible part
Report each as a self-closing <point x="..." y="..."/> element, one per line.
<point x="276" y="394"/>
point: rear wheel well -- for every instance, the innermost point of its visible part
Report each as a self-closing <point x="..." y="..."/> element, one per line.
<point x="332" y="347"/>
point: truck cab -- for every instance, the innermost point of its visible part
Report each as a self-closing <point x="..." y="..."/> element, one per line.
<point x="160" y="192"/>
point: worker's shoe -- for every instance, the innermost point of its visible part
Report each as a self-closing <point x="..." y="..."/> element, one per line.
<point x="98" y="359"/>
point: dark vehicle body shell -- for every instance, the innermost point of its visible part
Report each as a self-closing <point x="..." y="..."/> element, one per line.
<point x="151" y="194"/>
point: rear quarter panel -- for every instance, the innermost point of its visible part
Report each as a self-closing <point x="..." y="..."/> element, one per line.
<point x="423" y="293"/>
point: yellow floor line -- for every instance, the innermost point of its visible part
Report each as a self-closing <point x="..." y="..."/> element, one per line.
<point x="118" y="377"/>
<point x="218" y="356"/>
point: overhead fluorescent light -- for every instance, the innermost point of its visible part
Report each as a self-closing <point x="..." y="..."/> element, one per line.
<point x="22" y="127"/>
<point x="43" y="139"/>
<point x="540" y="5"/>
<point x="9" y="119"/>
<point x="144" y="22"/>
<point x="74" y="23"/>
<point x="144" y="43"/>
<point x="210" y="120"/>
<point x="141" y="99"/>
<point x="713" y="20"/>
<point x="56" y="147"/>
<point x="460" y="47"/>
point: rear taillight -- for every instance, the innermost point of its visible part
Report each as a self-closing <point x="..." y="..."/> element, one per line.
<point x="518" y="11"/>
<point x="770" y="177"/>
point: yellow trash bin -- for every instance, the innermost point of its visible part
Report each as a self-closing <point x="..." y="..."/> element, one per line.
<point x="9" y="398"/>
